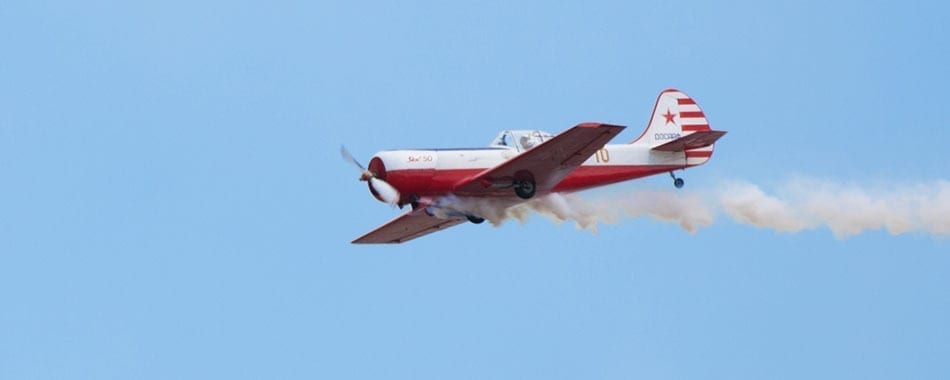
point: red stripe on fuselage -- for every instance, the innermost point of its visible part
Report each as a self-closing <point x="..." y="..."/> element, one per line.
<point x="700" y="153"/>
<point x="428" y="182"/>
<point x="592" y="176"/>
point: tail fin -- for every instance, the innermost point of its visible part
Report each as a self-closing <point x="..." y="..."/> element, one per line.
<point x="678" y="124"/>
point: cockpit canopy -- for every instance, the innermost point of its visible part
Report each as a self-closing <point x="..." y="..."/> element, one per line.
<point x="521" y="140"/>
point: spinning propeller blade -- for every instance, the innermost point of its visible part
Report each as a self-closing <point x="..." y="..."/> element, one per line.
<point x="349" y="157"/>
<point x="386" y="192"/>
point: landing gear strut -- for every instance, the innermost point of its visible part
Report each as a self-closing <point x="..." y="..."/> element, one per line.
<point x="677" y="182"/>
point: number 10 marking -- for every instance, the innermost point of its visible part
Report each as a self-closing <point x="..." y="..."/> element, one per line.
<point x="602" y="155"/>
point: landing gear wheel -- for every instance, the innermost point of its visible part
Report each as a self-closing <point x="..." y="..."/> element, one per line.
<point x="677" y="182"/>
<point x="525" y="189"/>
<point x="474" y="219"/>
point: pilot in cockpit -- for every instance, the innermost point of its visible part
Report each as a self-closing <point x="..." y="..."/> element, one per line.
<point x="527" y="142"/>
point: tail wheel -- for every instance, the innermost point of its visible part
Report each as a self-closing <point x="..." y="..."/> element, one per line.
<point x="474" y="219"/>
<point x="677" y="182"/>
<point x="525" y="189"/>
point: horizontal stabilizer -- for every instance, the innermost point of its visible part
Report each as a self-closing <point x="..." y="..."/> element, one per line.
<point x="693" y="140"/>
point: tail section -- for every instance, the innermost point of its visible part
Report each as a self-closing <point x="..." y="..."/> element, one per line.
<point x="678" y="124"/>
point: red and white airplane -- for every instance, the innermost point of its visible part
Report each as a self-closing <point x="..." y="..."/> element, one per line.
<point x="520" y="164"/>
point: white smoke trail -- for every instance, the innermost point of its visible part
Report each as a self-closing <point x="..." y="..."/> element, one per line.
<point x="796" y="205"/>
<point x="688" y="210"/>
<point x="845" y="209"/>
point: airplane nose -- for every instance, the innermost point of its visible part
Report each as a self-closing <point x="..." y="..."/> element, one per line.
<point x="378" y="169"/>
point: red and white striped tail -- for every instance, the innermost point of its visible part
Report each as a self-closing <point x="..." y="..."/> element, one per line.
<point x="676" y="115"/>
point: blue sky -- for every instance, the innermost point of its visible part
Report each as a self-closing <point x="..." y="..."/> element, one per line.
<point x="174" y="205"/>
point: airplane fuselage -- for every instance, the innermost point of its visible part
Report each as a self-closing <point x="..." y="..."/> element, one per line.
<point x="435" y="172"/>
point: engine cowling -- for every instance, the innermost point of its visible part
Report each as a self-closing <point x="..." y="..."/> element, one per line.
<point x="409" y="171"/>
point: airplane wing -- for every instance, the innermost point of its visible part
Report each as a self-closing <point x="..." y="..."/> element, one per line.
<point x="548" y="162"/>
<point x="408" y="226"/>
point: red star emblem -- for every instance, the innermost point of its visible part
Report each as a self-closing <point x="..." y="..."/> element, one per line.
<point x="669" y="116"/>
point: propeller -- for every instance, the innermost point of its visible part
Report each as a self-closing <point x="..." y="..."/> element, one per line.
<point x="386" y="192"/>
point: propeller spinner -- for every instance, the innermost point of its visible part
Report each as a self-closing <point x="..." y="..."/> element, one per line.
<point x="386" y="192"/>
